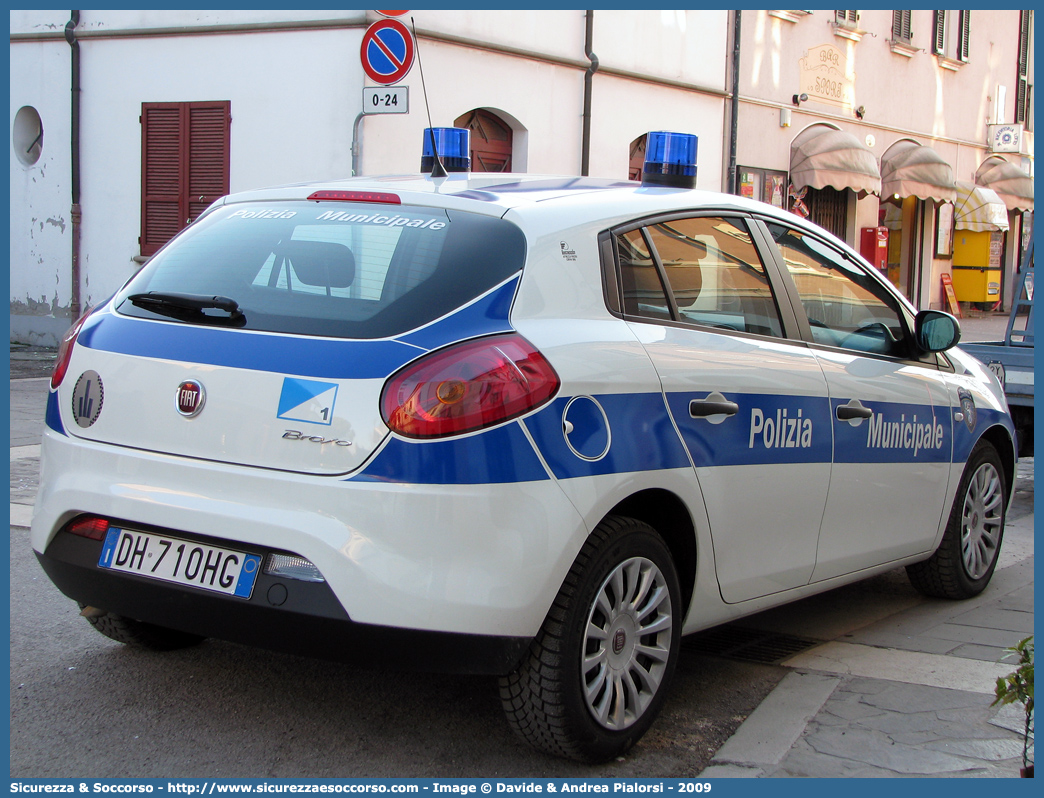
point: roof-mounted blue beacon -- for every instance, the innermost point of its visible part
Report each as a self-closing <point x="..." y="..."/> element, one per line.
<point x="453" y="145"/>
<point x="670" y="160"/>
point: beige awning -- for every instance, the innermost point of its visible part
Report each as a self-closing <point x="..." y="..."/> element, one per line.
<point x="1012" y="185"/>
<point x="909" y="169"/>
<point x="821" y="156"/>
<point x="978" y="209"/>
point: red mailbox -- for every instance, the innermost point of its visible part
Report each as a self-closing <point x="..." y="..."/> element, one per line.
<point x="873" y="245"/>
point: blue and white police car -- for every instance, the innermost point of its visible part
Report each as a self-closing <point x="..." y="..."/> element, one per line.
<point x="533" y="427"/>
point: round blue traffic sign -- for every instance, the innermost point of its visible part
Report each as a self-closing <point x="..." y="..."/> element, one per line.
<point x="387" y="51"/>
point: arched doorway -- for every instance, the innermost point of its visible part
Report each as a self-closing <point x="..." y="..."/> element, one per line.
<point x="636" y="161"/>
<point x="491" y="141"/>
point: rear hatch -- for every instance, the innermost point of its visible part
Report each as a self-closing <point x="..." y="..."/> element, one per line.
<point x="264" y="334"/>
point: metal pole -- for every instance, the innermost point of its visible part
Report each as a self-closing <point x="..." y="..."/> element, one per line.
<point x="75" y="212"/>
<point x="734" y="123"/>
<point x="357" y="143"/>
<point x="585" y="144"/>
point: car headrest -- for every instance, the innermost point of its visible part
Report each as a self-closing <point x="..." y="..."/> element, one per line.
<point x="321" y="262"/>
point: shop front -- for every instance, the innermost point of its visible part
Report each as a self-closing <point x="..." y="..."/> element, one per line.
<point x="917" y="195"/>
<point x="1014" y="188"/>
<point x="980" y="222"/>
<point x="830" y="170"/>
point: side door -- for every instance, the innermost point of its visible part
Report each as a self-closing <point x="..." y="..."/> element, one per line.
<point x="751" y="406"/>
<point x="889" y="407"/>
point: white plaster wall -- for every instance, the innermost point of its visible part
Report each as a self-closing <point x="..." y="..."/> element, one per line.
<point x="547" y="31"/>
<point x="687" y="46"/>
<point x="294" y="99"/>
<point x="545" y="100"/>
<point x="623" y="110"/>
<point x="26" y="21"/>
<point x="40" y="248"/>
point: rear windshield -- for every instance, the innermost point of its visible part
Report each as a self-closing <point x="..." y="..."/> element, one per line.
<point x="348" y="270"/>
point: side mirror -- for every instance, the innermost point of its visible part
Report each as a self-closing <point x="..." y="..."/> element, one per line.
<point x="936" y="331"/>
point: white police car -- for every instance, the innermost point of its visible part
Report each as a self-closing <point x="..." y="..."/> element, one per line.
<point x="526" y="426"/>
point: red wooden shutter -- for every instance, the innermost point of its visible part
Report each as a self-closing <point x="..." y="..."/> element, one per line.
<point x="161" y="214"/>
<point x="184" y="165"/>
<point x="208" y="161"/>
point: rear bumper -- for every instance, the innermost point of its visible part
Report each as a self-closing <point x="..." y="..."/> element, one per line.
<point x="282" y="615"/>
<point x="471" y="560"/>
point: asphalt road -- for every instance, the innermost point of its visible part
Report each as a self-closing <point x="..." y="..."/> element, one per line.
<point x="84" y="706"/>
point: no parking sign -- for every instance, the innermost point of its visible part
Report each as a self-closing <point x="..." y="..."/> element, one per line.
<point x="387" y="51"/>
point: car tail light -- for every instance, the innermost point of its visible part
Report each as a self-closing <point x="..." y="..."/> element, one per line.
<point x="89" y="526"/>
<point x="65" y="350"/>
<point x="468" y="387"/>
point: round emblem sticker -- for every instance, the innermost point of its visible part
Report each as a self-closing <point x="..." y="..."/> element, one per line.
<point x="190" y="398"/>
<point x="87" y="398"/>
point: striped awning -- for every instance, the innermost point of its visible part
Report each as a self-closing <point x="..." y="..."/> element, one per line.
<point x="978" y="209"/>
<point x="822" y="156"/>
<point x="1012" y="185"/>
<point x="909" y="169"/>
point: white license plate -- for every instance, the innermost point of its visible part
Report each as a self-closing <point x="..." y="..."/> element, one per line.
<point x="180" y="561"/>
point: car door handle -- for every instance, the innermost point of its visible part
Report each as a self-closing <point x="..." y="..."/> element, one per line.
<point x="849" y="412"/>
<point x="707" y="407"/>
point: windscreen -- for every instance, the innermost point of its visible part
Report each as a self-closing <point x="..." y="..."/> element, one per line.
<point x="348" y="270"/>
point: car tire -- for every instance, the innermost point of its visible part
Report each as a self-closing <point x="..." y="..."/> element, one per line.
<point x="967" y="556"/>
<point x="139" y="633"/>
<point x="595" y="676"/>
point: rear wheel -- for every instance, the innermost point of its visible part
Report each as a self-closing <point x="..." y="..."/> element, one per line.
<point x="967" y="556"/>
<point x="595" y="676"/>
<point x="138" y="633"/>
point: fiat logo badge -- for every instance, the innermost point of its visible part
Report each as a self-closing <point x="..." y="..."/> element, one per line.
<point x="619" y="639"/>
<point x="190" y="398"/>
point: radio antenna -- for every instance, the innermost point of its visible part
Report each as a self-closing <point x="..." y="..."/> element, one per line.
<point x="437" y="169"/>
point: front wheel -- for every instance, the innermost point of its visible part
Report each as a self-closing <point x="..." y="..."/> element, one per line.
<point x="595" y="676"/>
<point x="967" y="556"/>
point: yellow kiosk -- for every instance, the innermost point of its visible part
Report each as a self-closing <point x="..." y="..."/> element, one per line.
<point x="980" y="220"/>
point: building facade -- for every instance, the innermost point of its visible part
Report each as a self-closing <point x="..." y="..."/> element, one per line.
<point x="171" y="109"/>
<point x="870" y="122"/>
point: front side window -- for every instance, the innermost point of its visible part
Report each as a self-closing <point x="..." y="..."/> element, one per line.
<point x="701" y="270"/>
<point x="846" y="307"/>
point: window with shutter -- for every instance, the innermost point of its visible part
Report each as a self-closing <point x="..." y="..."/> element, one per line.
<point x="1022" y="83"/>
<point x="901" y="26"/>
<point x="846" y="18"/>
<point x="939" y="32"/>
<point x="963" y="34"/>
<point x="184" y="165"/>
<point x="951" y="36"/>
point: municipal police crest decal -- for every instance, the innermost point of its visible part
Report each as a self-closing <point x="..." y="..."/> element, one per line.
<point x="967" y="407"/>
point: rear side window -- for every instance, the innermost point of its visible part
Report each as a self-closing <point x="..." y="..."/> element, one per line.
<point x="332" y="268"/>
<point x="702" y="270"/>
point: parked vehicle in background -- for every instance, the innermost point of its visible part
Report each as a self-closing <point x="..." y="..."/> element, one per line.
<point x="1012" y="359"/>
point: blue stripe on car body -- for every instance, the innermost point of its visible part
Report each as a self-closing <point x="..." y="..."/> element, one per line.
<point x="500" y="455"/>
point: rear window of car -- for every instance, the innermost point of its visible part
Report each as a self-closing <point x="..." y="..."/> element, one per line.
<point x="348" y="270"/>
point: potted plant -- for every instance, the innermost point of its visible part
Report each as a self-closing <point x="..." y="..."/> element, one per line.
<point x="1017" y="686"/>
